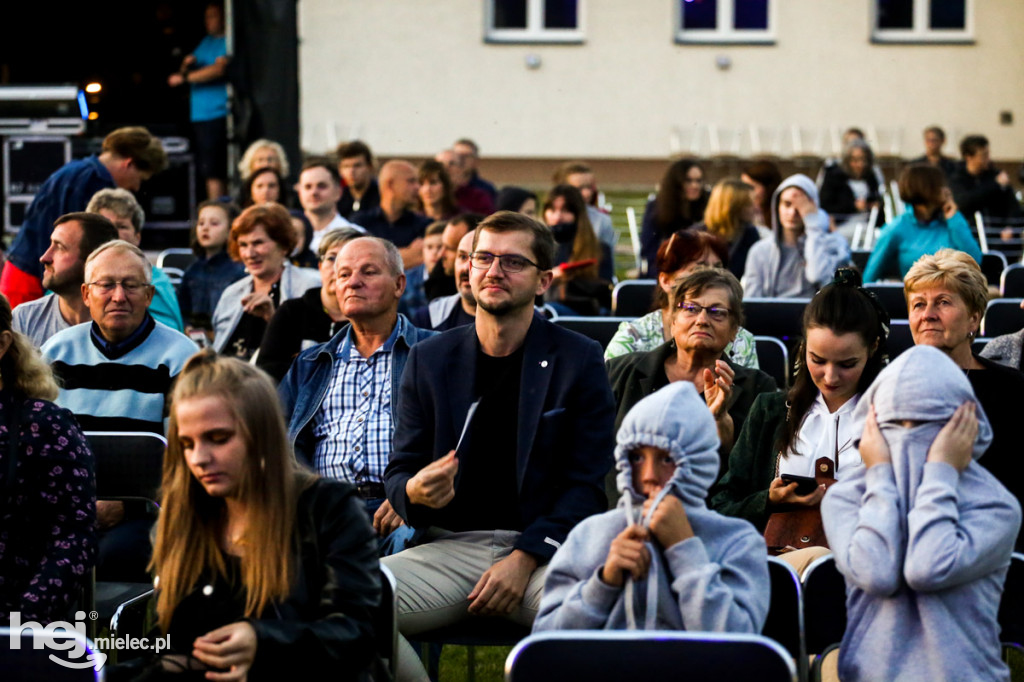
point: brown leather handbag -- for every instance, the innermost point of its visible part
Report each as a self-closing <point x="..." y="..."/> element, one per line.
<point x="801" y="527"/>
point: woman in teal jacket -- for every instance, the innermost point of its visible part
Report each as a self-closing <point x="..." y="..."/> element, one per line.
<point x="930" y="223"/>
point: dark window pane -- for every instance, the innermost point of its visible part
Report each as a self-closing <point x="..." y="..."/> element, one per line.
<point x="948" y="14"/>
<point x="509" y="13"/>
<point x="750" y="14"/>
<point x="896" y="14"/>
<point x="559" y="13"/>
<point x="700" y="15"/>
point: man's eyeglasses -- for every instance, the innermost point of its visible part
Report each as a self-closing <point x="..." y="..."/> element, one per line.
<point x="510" y="262"/>
<point x="131" y="287"/>
<point x="715" y="313"/>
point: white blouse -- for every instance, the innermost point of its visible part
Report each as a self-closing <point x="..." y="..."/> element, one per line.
<point x="824" y="434"/>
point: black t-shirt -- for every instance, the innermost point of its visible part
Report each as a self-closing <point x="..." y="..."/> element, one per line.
<point x="486" y="488"/>
<point x="999" y="390"/>
<point x="248" y="334"/>
<point x="458" y="317"/>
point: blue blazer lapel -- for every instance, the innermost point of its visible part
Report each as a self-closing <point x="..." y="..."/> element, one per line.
<point x="539" y="365"/>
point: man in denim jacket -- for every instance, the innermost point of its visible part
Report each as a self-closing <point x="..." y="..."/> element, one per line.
<point x="340" y="395"/>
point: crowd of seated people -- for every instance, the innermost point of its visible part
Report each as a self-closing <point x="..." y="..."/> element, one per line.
<point x="430" y="416"/>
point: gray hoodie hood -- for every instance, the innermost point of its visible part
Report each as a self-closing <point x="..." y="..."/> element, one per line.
<point x="674" y="418"/>
<point x="800" y="181"/>
<point x="923" y="384"/>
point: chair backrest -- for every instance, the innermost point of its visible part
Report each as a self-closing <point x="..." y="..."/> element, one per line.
<point x="773" y="359"/>
<point x="1002" y="316"/>
<point x="176" y="258"/>
<point x="1011" y="609"/>
<point x="599" y="655"/>
<point x="28" y="664"/>
<point x="785" y="621"/>
<point x="385" y="621"/>
<point x="900" y="338"/>
<point x="600" y="329"/>
<point x="992" y="264"/>
<point x="979" y="344"/>
<point x="860" y="258"/>
<point x="824" y="604"/>
<point x="892" y="298"/>
<point x="128" y="465"/>
<point x="632" y="297"/>
<point x="778" y="317"/>
<point x="1011" y="282"/>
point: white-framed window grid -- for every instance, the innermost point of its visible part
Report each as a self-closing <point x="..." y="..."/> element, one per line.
<point x="535" y="30"/>
<point x="725" y="31"/>
<point x="921" y="31"/>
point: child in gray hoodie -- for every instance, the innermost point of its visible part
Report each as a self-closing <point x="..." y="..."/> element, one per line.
<point x="923" y="534"/>
<point x="661" y="560"/>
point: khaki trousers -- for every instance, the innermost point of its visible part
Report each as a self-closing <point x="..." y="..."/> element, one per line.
<point x="433" y="580"/>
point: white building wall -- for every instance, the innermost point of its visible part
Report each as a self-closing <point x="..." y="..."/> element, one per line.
<point x="410" y="76"/>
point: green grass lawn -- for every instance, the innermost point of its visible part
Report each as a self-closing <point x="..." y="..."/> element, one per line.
<point x="490" y="663"/>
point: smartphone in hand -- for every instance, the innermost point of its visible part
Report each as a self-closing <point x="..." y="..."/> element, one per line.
<point x="805" y="485"/>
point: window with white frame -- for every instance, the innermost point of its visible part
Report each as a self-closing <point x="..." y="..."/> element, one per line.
<point x="908" y="21"/>
<point x="534" y="21"/>
<point x="725" y="21"/>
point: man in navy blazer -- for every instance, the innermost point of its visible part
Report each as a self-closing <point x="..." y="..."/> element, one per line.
<point x="492" y="497"/>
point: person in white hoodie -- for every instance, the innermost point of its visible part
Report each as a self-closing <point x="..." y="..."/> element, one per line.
<point x="803" y="253"/>
<point x="662" y="560"/>
<point x="922" y="534"/>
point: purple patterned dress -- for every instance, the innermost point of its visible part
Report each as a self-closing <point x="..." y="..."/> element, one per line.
<point x="47" y="513"/>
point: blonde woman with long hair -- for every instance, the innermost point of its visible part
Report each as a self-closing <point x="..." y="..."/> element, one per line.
<point x="261" y="567"/>
<point x="730" y="217"/>
<point x="47" y="487"/>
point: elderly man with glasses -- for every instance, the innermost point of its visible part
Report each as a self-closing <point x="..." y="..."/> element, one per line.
<point x="503" y="439"/>
<point x="117" y="369"/>
<point x="116" y="374"/>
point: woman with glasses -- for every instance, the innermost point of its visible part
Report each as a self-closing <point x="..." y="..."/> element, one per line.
<point x="680" y="203"/>
<point x="683" y="253"/>
<point x="261" y="238"/>
<point x="794" y="433"/>
<point x="706" y="314"/>
<point x="309" y="319"/>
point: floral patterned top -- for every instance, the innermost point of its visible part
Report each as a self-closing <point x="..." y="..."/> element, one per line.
<point x="648" y="332"/>
<point x="47" y="516"/>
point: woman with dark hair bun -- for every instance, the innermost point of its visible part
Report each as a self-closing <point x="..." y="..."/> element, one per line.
<point x="682" y="254"/>
<point x="681" y="200"/>
<point x="811" y="426"/>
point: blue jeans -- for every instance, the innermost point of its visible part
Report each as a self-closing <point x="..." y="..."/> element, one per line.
<point x="399" y="537"/>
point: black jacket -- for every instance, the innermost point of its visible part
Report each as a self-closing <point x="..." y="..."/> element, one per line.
<point x="326" y="621"/>
<point x="564" y="434"/>
<point x="974" y="193"/>
<point x="836" y="197"/>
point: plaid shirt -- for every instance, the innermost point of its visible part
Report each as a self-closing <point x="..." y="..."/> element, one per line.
<point x="353" y="427"/>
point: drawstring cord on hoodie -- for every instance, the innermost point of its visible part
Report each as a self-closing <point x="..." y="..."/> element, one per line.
<point x="651" y="612"/>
